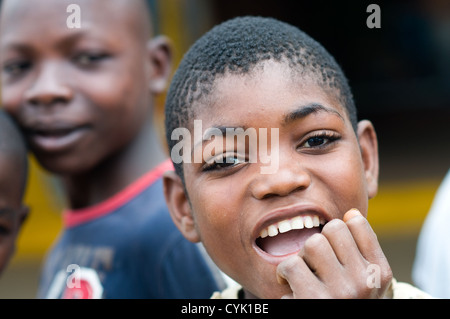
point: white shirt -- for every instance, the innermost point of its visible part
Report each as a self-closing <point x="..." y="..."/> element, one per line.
<point x="431" y="270"/>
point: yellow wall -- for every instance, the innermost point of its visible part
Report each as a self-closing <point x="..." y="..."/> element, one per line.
<point x="400" y="208"/>
<point x="44" y="222"/>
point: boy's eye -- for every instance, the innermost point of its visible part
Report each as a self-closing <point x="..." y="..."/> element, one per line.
<point x="223" y="162"/>
<point x="316" y="141"/>
<point x="321" y="140"/>
<point x="16" y="68"/>
<point x="88" y="59"/>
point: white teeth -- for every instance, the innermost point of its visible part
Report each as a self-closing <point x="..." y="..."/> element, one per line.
<point x="308" y="222"/>
<point x="284" y="226"/>
<point x="264" y="233"/>
<point x="272" y="230"/>
<point x="298" y="222"/>
<point x="316" y="221"/>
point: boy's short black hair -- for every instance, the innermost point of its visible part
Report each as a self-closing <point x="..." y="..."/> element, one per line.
<point x="235" y="47"/>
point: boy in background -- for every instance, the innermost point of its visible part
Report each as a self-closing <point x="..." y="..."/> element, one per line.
<point x="297" y="230"/>
<point x="84" y="100"/>
<point x="13" y="179"/>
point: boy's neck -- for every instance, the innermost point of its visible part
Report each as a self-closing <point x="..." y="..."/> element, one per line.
<point x="115" y="173"/>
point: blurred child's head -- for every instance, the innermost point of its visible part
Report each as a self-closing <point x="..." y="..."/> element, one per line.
<point x="80" y="94"/>
<point x="13" y="177"/>
<point x="254" y="73"/>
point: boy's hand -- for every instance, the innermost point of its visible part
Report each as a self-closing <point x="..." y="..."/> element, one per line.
<point x="344" y="261"/>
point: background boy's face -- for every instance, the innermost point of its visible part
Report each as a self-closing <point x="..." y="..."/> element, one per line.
<point x="321" y="173"/>
<point x="80" y="94"/>
<point x="12" y="213"/>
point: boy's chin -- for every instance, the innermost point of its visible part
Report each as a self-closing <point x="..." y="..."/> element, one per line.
<point x="64" y="164"/>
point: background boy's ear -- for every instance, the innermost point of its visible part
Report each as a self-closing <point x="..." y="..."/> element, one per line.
<point x="160" y="55"/>
<point x="179" y="207"/>
<point x="369" y="150"/>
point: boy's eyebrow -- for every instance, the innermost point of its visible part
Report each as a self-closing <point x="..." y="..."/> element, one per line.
<point x="223" y="130"/>
<point x="13" y="46"/>
<point x="72" y="37"/>
<point x="305" y="110"/>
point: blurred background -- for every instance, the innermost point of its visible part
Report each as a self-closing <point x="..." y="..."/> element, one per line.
<point x="400" y="76"/>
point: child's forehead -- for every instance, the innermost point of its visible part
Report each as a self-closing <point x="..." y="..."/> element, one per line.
<point x="23" y="16"/>
<point x="271" y="88"/>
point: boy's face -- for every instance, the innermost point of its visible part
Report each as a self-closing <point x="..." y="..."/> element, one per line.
<point x="80" y="94"/>
<point x="12" y="213"/>
<point x="322" y="173"/>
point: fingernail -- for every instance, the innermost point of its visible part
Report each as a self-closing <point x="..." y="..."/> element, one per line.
<point x="351" y="213"/>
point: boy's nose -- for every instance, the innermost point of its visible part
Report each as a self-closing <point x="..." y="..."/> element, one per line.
<point x="290" y="177"/>
<point x="49" y="87"/>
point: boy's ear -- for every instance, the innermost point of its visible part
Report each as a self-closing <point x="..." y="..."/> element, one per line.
<point x="179" y="207"/>
<point x="369" y="151"/>
<point x="160" y="55"/>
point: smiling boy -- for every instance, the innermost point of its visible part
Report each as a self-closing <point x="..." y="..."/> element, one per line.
<point x="84" y="99"/>
<point x="298" y="232"/>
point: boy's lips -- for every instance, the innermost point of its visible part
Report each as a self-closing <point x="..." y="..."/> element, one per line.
<point x="55" y="137"/>
<point x="283" y="232"/>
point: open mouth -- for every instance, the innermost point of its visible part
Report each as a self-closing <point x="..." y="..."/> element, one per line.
<point x="289" y="235"/>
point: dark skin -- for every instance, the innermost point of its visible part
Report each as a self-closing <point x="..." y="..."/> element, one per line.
<point x="12" y="211"/>
<point x="325" y="169"/>
<point x="84" y="97"/>
<point x="13" y="177"/>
